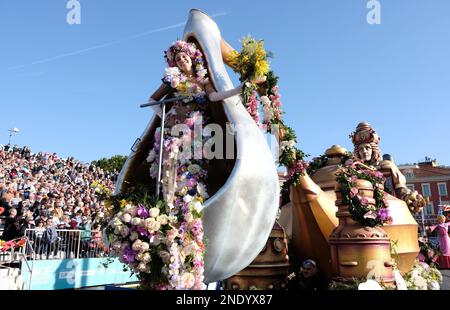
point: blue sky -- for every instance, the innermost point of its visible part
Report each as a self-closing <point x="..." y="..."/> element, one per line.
<point x="76" y="89"/>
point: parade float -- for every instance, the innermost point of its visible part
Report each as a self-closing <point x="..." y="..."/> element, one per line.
<point x="182" y="223"/>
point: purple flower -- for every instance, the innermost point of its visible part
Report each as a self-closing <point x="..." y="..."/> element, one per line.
<point x="383" y="214"/>
<point x="143" y="231"/>
<point x="128" y="255"/>
<point x="142" y="211"/>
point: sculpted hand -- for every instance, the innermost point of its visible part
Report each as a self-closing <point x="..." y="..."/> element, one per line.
<point x="155" y="108"/>
<point x="415" y="201"/>
<point x="259" y="80"/>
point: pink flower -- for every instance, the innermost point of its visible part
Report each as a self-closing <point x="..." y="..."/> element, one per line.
<point x="190" y="122"/>
<point x="353" y="192"/>
<point x="421" y="257"/>
<point x="379" y="175"/>
<point x="364" y="200"/>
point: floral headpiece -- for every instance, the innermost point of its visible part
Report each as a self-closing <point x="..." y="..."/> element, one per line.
<point x="173" y="76"/>
<point x="182" y="46"/>
<point x="364" y="133"/>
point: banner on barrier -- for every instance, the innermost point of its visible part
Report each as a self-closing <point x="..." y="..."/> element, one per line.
<point x="74" y="273"/>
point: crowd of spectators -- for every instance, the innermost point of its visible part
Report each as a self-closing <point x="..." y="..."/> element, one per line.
<point x="47" y="193"/>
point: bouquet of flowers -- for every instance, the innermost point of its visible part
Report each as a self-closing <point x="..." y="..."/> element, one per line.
<point x="252" y="63"/>
<point x="162" y="245"/>
<point x="359" y="207"/>
<point x="423" y="277"/>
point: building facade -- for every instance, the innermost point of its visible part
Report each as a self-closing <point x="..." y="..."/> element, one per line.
<point x="430" y="180"/>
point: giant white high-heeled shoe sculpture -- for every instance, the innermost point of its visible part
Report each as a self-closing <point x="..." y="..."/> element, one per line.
<point x="239" y="216"/>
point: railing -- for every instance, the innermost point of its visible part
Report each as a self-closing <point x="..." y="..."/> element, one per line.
<point x="65" y="244"/>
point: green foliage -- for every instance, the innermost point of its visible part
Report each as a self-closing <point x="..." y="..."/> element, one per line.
<point x="346" y="284"/>
<point x="116" y="162"/>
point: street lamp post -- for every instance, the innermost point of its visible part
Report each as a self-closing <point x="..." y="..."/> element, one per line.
<point x="11" y="132"/>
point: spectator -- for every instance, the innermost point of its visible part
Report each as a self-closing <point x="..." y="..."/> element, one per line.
<point x="85" y="236"/>
<point x="50" y="239"/>
<point x="307" y="278"/>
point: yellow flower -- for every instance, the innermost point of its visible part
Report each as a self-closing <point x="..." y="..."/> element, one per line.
<point x="199" y="199"/>
<point x="123" y="203"/>
<point x="261" y="68"/>
<point x="232" y="59"/>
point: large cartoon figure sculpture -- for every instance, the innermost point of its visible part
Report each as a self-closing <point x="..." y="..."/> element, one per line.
<point x="238" y="193"/>
<point x="314" y="209"/>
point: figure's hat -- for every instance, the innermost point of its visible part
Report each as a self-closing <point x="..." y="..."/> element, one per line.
<point x="364" y="133"/>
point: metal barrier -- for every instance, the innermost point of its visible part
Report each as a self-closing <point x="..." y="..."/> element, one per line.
<point x="66" y="244"/>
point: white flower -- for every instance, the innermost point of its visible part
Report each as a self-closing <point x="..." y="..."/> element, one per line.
<point x="172" y="219"/>
<point x="117" y="222"/>
<point x="194" y="169"/>
<point x="162" y="219"/>
<point x="132" y="210"/>
<point x="154" y="212"/>
<point x="139" y="256"/>
<point x="134" y="236"/>
<point x="265" y="100"/>
<point x="420" y="283"/>
<point x="146" y="258"/>
<point x="189" y="249"/>
<point x="144" y="247"/>
<point x="187" y="198"/>
<point x="434" y="285"/>
<point x="136" y="221"/>
<point x="287" y="144"/>
<point x="198" y="206"/>
<point x="187" y="280"/>
<point x="151" y="156"/>
<point x="142" y="267"/>
<point x="151" y="224"/>
<point x="171" y="71"/>
<point x="117" y="229"/>
<point x="124" y="231"/>
<point x="126" y="217"/>
<point x="369" y="285"/>
<point x="136" y="245"/>
<point x="201" y="189"/>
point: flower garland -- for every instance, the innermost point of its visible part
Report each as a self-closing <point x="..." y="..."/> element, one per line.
<point x="359" y="207"/>
<point x="252" y="62"/>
